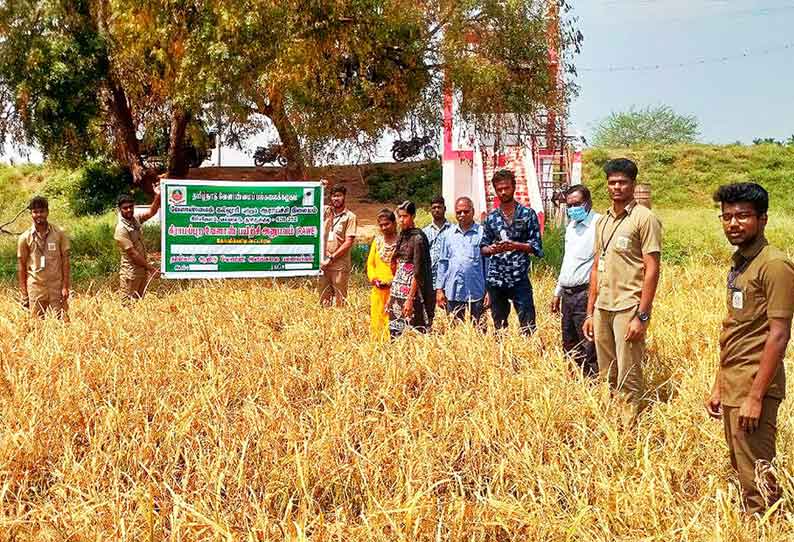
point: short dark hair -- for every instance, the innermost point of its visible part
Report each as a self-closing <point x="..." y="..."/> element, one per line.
<point x="621" y="165"/>
<point x="339" y="189"/>
<point x="503" y="175"/>
<point x="438" y="199"/>
<point x="39" y="202"/>
<point x="388" y="214"/>
<point x="582" y="189"/>
<point x="752" y="193"/>
<point x="124" y="199"/>
<point x="407" y="206"/>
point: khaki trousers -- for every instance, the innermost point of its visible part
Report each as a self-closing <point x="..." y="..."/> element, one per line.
<point x="332" y="284"/>
<point x="41" y="300"/>
<point x="620" y="361"/>
<point x="747" y="449"/>
<point x="132" y="287"/>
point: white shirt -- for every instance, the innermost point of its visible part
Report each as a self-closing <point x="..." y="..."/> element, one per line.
<point x="577" y="261"/>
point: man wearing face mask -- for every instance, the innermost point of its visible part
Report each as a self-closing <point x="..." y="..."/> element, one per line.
<point x="573" y="284"/>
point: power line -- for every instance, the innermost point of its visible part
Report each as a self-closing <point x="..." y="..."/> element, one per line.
<point x="704" y="12"/>
<point x="690" y="63"/>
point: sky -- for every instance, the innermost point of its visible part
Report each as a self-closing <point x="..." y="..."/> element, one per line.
<point x="740" y="99"/>
<point x="747" y="96"/>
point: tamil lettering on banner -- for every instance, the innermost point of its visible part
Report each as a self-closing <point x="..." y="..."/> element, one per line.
<point x="226" y="229"/>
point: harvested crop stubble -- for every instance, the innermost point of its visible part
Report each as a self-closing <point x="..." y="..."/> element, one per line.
<point x="240" y="411"/>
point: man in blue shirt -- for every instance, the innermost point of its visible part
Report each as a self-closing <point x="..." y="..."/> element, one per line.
<point x="433" y="231"/>
<point x="510" y="234"/>
<point x="460" y="283"/>
<point x="573" y="283"/>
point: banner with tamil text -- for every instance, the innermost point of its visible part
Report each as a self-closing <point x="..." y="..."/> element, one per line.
<point x="225" y="229"/>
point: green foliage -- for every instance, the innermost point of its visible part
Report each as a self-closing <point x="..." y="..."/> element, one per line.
<point x="358" y="256"/>
<point x="13" y="195"/>
<point x="419" y="185"/>
<point x="651" y="125"/>
<point x="773" y="141"/>
<point x="695" y="234"/>
<point x="553" y="250"/>
<point x="88" y="77"/>
<point x="685" y="176"/>
<point x="598" y="157"/>
<point x="50" y="61"/>
<point x="92" y="189"/>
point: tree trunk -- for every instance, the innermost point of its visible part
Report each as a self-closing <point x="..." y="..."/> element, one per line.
<point x="126" y="140"/>
<point x="177" y="159"/>
<point x="277" y="112"/>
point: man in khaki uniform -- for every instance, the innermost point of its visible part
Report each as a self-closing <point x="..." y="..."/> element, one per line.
<point x="43" y="263"/>
<point x="135" y="270"/>
<point x="626" y="263"/>
<point x="751" y="380"/>
<point x="340" y="233"/>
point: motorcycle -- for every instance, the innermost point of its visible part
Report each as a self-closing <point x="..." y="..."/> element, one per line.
<point x="401" y="150"/>
<point x="272" y="153"/>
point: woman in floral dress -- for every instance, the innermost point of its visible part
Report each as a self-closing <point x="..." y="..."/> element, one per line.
<point x="411" y="300"/>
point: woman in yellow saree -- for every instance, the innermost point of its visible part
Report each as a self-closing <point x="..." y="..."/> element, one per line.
<point x="379" y="273"/>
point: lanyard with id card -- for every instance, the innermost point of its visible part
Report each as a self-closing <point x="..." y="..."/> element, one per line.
<point x="602" y="264"/>
<point x="737" y="299"/>
<point x="42" y="245"/>
<point x="737" y="295"/>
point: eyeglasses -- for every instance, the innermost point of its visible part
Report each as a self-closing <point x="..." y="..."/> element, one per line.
<point x="727" y="218"/>
<point x="463" y="212"/>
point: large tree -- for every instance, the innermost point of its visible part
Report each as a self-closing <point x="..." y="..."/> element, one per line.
<point x="86" y="77"/>
<point x="324" y="74"/>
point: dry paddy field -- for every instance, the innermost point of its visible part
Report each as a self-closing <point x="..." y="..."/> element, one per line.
<point x="240" y="411"/>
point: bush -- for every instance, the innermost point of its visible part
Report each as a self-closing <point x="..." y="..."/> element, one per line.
<point x="651" y="125"/>
<point x="553" y="249"/>
<point x="92" y="189"/>
<point x="358" y="257"/>
<point x="419" y="185"/>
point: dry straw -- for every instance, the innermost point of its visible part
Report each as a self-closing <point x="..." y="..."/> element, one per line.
<point x="240" y="411"/>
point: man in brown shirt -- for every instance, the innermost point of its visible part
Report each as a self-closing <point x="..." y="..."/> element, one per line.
<point x="43" y="263"/>
<point x="135" y="270"/>
<point x="751" y="380"/>
<point x="626" y="263"/>
<point x="340" y="233"/>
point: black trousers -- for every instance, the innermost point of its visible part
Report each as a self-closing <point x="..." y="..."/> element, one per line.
<point x="574" y="312"/>
<point x="523" y="302"/>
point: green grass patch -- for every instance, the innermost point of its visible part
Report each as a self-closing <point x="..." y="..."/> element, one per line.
<point x="686" y="176"/>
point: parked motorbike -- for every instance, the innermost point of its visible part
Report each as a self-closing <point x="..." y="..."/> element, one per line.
<point x="402" y="150"/>
<point x="272" y="153"/>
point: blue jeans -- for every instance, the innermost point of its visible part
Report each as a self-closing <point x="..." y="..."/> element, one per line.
<point x="523" y="303"/>
<point x="458" y="309"/>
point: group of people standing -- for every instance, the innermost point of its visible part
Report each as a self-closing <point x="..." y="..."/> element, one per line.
<point x="605" y="290"/>
<point x="463" y="268"/>
<point x="605" y="294"/>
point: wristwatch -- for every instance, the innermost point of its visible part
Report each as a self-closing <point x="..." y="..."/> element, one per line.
<point x="643" y="316"/>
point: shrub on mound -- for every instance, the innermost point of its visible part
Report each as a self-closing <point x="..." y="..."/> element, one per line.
<point x="418" y="185"/>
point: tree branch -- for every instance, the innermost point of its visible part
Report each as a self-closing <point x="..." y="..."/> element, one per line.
<point x="3" y="226"/>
